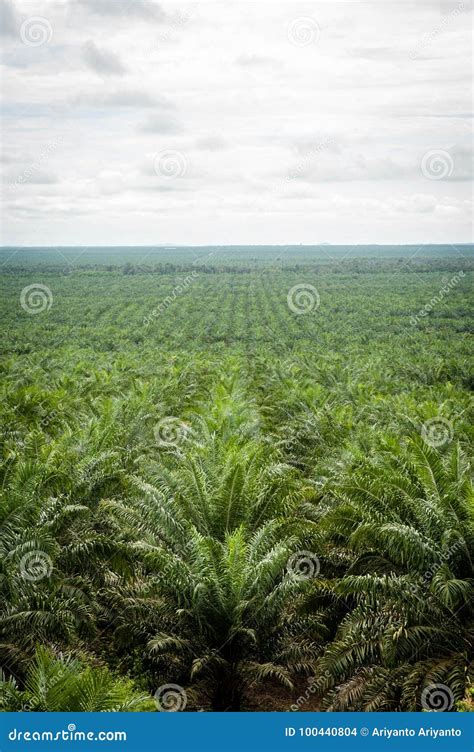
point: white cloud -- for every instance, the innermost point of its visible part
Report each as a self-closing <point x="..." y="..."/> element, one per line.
<point x="283" y="142"/>
<point x="212" y="142"/>
<point x="160" y="124"/>
<point x="253" y="60"/>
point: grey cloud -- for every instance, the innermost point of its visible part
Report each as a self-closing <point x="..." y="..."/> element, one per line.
<point x="147" y="169"/>
<point x="43" y="210"/>
<point x="442" y="6"/>
<point x="102" y="61"/>
<point x="42" y="178"/>
<point x="305" y="144"/>
<point x="320" y="166"/>
<point x="411" y="108"/>
<point x="463" y="160"/>
<point x="315" y="143"/>
<point x="12" y="157"/>
<point x="8" y="20"/>
<point x="124" y="98"/>
<point x="211" y="143"/>
<point x="29" y="175"/>
<point x="373" y="53"/>
<point x="174" y="186"/>
<point x="448" y="6"/>
<point x="160" y="124"/>
<point x="456" y="115"/>
<point x="150" y="180"/>
<point x="254" y="60"/>
<point x="346" y="166"/>
<point x="145" y="9"/>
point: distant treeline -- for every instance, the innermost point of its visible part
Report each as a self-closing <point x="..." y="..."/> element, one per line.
<point x="362" y="266"/>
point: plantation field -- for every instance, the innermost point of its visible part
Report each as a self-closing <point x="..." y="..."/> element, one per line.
<point x="236" y="478"/>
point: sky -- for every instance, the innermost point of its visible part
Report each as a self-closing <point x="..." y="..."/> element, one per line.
<point x="133" y="122"/>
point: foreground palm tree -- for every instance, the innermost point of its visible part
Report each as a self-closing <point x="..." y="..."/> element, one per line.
<point x="220" y="485"/>
<point x="232" y="611"/>
<point x="35" y="605"/>
<point x="219" y="525"/>
<point x="409" y="522"/>
<point x="58" y="548"/>
<point x="65" y="685"/>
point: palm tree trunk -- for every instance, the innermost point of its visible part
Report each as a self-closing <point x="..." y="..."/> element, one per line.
<point x="227" y="696"/>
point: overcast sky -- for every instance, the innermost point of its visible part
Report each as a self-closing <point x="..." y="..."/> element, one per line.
<point x="130" y="122"/>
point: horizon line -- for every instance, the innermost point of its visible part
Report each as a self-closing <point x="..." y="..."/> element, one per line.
<point x="176" y="246"/>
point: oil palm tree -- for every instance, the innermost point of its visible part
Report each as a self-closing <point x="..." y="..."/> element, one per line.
<point x="231" y="610"/>
<point x="58" y="547"/>
<point x="219" y="485"/>
<point x="35" y="606"/>
<point x="408" y="521"/>
<point x="63" y="684"/>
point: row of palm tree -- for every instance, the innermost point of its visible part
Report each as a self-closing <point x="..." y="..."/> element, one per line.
<point x="216" y="560"/>
<point x="407" y="520"/>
